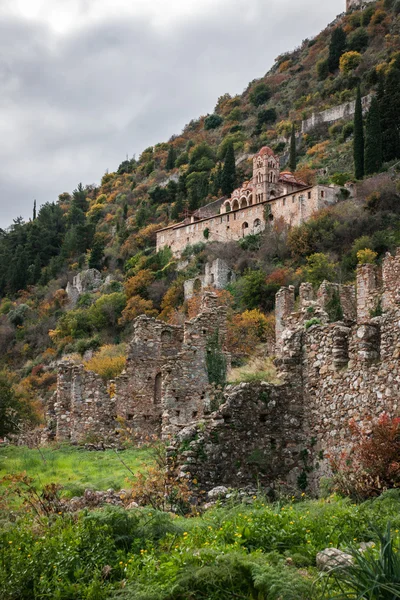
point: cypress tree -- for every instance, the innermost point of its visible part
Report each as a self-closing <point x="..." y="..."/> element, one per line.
<point x="228" y="177"/>
<point x="373" y="139"/>
<point x="170" y="164"/>
<point x="96" y="255"/>
<point x="293" y="151"/>
<point x="336" y="49"/>
<point x="358" y="138"/>
<point x="34" y="210"/>
<point x="390" y="116"/>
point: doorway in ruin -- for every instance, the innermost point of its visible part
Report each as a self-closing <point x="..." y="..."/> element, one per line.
<point x="157" y="389"/>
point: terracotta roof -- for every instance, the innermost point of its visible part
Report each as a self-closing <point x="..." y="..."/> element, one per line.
<point x="265" y="150"/>
<point x="288" y="177"/>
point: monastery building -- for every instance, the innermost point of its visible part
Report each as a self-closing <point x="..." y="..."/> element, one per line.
<point x="268" y="197"/>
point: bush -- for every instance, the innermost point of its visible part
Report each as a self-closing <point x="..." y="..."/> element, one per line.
<point x="358" y="41"/>
<point x="260" y="94"/>
<point x="213" y="121"/>
<point x="318" y="269"/>
<point x="349" y="61"/>
<point x="366" y="256"/>
<point x="372" y="575"/>
<point x="108" y="362"/>
<point x="372" y="464"/>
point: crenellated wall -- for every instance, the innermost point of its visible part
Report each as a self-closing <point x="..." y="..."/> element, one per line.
<point x="349" y="369"/>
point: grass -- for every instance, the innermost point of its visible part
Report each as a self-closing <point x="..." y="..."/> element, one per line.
<point x="74" y="468"/>
<point x="257" y="369"/>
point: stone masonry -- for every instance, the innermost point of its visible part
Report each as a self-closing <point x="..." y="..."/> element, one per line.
<point x="338" y="354"/>
<point x="217" y="275"/>
<point x="164" y="387"/>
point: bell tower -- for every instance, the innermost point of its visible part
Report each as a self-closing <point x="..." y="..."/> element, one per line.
<point x="266" y="171"/>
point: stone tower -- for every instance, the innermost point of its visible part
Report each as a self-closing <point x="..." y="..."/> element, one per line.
<point x="266" y="172"/>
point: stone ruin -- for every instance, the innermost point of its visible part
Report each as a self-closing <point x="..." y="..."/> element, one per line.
<point x="338" y="352"/>
<point x="165" y="385"/>
<point x="86" y="281"/>
<point x="217" y="276"/>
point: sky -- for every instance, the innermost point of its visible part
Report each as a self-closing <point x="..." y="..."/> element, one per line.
<point x="86" y="83"/>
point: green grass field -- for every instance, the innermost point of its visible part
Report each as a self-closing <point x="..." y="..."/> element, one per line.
<point x="74" y="468"/>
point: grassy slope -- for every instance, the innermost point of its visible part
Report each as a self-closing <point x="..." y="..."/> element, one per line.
<point x="74" y="468"/>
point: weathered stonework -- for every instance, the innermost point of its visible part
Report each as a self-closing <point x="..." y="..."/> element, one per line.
<point x="217" y="275"/>
<point x="338" y="357"/>
<point x="86" y="281"/>
<point x="349" y="369"/>
<point x="336" y="113"/>
<point x="164" y="387"/>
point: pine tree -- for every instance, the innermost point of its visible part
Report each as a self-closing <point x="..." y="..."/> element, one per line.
<point x="228" y="177"/>
<point x="293" y="151"/>
<point x="217" y="180"/>
<point x="358" y="147"/>
<point x="373" y="139"/>
<point x="336" y="49"/>
<point x="34" y="211"/>
<point x="390" y="115"/>
<point x="170" y="164"/>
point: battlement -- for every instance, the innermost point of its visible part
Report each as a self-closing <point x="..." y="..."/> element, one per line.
<point x="343" y="345"/>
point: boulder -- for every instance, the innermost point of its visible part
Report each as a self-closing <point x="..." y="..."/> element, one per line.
<point x="333" y="558"/>
<point x="218" y="492"/>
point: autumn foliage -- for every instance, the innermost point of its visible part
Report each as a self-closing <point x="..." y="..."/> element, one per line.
<point x="372" y="464"/>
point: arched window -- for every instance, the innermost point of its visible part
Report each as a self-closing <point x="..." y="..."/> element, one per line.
<point x="250" y="200"/>
<point x="272" y="194"/>
<point x="243" y="203"/>
<point x="157" y="389"/>
<point x="257" y="223"/>
<point x="228" y="207"/>
<point x="245" y="225"/>
<point x="235" y="205"/>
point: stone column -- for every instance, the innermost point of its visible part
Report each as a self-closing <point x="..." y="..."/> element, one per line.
<point x="284" y="306"/>
<point x="368" y="291"/>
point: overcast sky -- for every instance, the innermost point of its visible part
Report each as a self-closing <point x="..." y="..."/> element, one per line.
<point x="86" y="82"/>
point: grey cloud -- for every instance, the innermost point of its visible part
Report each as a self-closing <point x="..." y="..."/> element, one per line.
<point x="73" y="106"/>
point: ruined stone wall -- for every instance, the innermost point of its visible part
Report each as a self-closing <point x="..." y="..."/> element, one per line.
<point x="344" y="111"/>
<point x="254" y="437"/>
<point x="186" y="391"/>
<point x="217" y="276"/>
<point x="349" y="369"/>
<point x="139" y="388"/>
<point x="84" y="406"/>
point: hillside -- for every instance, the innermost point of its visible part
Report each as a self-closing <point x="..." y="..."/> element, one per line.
<point x="112" y="227"/>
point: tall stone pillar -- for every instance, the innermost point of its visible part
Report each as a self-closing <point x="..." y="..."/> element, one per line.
<point x="284" y="306"/>
<point x="368" y="291"/>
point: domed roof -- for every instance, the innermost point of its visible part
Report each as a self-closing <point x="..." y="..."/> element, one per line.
<point x="265" y="151"/>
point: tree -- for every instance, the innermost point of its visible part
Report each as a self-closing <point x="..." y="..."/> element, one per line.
<point x="336" y="48"/>
<point x="373" y="139"/>
<point x="293" y="151"/>
<point x="358" y="148"/>
<point x="177" y="209"/>
<point x="96" y="254"/>
<point x="34" y="211"/>
<point x="228" y="177"/>
<point x="389" y="102"/>
<point x="260" y="94"/>
<point x="349" y="61"/>
<point x="12" y="410"/>
<point x="318" y="269"/>
<point x="170" y="164"/>
<point x="213" y="121"/>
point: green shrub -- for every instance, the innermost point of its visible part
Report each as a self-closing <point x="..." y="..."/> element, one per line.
<point x="213" y="121"/>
